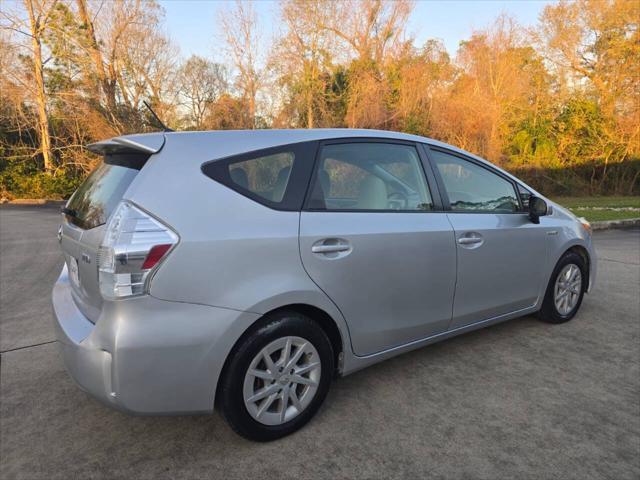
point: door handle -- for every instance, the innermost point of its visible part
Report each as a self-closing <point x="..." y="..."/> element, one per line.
<point x="329" y="248"/>
<point x="332" y="248"/>
<point x="469" y="240"/>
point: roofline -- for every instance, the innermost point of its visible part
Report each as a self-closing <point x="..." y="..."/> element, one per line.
<point x="152" y="143"/>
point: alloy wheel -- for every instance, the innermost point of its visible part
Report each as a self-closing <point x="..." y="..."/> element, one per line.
<point x="282" y="380"/>
<point x="567" y="289"/>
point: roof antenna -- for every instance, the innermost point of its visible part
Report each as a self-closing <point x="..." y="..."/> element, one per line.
<point x="164" y="127"/>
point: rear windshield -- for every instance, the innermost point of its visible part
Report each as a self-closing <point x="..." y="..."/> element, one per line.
<point x="93" y="202"/>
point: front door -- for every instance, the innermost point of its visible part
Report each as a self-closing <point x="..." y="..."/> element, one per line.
<point x="501" y="253"/>
<point x="372" y="240"/>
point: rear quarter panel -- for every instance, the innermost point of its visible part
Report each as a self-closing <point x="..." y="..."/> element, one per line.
<point x="233" y="252"/>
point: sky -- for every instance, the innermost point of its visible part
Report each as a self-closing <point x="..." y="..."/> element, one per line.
<point x="192" y="23"/>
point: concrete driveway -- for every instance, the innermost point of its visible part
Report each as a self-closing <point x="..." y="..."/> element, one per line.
<point x="519" y="400"/>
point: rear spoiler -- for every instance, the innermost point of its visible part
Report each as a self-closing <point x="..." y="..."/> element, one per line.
<point x="149" y="144"/>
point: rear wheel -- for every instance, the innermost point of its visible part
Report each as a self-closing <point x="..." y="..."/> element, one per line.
<point x="277" y="377"/>
<point x="565" y="290"/>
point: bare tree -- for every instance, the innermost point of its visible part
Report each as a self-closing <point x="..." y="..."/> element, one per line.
<point x="303" y="57"/>
<point x="106" y="83"/>
<point x="18" y="130"/>
<point x="370" y="30"/>
<point x="108" y="34"/>
<point x="370" y="27"/>
<point x="201" y="82"/>
<point x="147" y="65"/>
<point x="240" y="30"/>
<point x="39" y="13"/>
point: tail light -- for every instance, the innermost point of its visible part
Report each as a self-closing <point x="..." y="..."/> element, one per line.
<point x="134" y="245"/>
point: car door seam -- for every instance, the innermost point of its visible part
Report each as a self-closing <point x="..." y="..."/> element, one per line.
<point x="455" y="282"/>
<point x="316" y="284"/>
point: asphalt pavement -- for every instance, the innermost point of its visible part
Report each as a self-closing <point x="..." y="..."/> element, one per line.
<point x="522" y="399"/>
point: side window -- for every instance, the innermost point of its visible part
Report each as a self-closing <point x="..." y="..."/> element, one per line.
<point x="266" y="176"/>
<point x="473" y="188"/>
<point x="276" y="177"/>
<point x="370" y="176"/>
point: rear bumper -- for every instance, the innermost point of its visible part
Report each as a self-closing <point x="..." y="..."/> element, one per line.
<point x="89" y="365"/>
<point x="145" y="355"/>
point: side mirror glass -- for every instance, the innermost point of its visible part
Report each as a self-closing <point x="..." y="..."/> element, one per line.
<point x="537" y="208"/>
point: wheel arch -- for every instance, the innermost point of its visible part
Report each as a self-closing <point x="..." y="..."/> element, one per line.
<point x="572" y="247"/>
<point x="318" y="315"/>
<point x="326" y="322"/>
<point x="583" y="252"/>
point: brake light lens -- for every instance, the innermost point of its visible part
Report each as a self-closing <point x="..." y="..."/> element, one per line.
<point x="155" y="255"/>
<point x="134" y="245"/>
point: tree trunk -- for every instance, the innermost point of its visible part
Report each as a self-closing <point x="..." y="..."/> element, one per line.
<point x="106" y="84"/>
<point x="310" y="120"/>
<point x="252" y="107"/>
<point x="41" y="99"/>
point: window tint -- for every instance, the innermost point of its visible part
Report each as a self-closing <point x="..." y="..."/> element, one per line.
<point x="266" y="176"/>
<point x="276" y="177"/>
<point x="95" y="199"/>
<point x="474" y="188"/>
<point x="370" y="176"/>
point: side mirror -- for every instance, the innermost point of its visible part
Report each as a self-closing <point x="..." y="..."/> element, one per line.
<point x="537" y="208"/>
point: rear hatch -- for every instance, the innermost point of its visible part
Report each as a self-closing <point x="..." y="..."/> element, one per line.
<point x="89" y="208"/>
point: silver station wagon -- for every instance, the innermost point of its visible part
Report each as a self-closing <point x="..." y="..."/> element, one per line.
<point x="247" y="269"/>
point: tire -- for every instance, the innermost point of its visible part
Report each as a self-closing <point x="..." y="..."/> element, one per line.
<point x="550" y="312"/>
<point x="238" y="385"/>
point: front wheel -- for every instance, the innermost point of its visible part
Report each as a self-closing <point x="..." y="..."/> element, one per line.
<point x="277" y="377"/>
<point x="565" y="290"/>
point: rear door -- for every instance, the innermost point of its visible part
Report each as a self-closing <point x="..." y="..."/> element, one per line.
<point x="501" y="253"/>
<point x="83" y="225"/>
<point x="374" y="239"/>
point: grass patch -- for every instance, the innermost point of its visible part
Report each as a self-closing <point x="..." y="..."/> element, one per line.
<point x="611" y="202"/>
<point x="597" y="209"/>
<point x="601" y="215"/>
